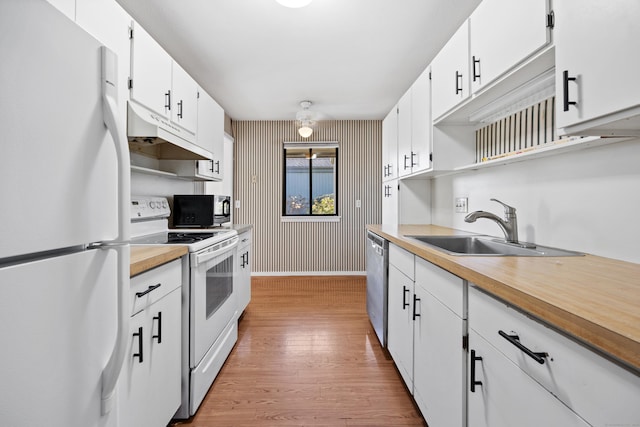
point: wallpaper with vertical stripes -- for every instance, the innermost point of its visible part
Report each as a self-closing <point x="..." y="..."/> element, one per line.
<point x="307" y="247"/>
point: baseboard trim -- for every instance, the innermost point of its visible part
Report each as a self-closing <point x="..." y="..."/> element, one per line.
<point x="308" y="273"/>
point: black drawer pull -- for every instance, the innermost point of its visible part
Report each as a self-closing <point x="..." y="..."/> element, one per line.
<point x="565" y="90"/>
<point x="415" y="300"/>
<point x="149" y="289"/>
<point x="458" y="79"/>
<point x="405" y="304"/>
<point x="140" y="339"/>
<point x="159" y="336"/>
<point x="476" y="71"/>
<point x="515" y="340"/>
<point x="473" y="382"/>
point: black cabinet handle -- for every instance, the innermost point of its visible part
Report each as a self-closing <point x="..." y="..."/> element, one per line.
<point x="412" y="156"/>
<point x="159" y="319"/>
<point x="405" y="304"/>
<point x="565" y="90"/>
<point x="384" y="173"/>
<point x="180" y="109"/>
<point x="140" y="339"/>
<point x="390" y="169"/>
<point x="473" y="382"/>
<point x="415" y="300"/>
<point x="149" y="289"/>
<point x="405" y="162"/>
<point x="218" y="166"/>
<point x="515" y="340"/>
<point x="167" y="100"/>
<point x="458" y="79"/>
<point x="476" y="71"/>
<point x="211" y="166"/>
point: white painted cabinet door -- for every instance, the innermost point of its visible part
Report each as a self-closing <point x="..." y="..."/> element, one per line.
<point x="244" y="271"/>
<point x="390" y="145"/>
<point x="210" y="134"/>
<point x="450" y="73"/>
<point x="421" y="123"/>
<point x="390" y="202"/>
<point x="149" y="387"/>
<point x="439" y="360"/>
<point x="504" y="33"/>
<point x="184" y="99"/>
<point x="597" y="43"/>
<point x="150" y="73"/>
<point x="400" y="323"/>
<point x="507" y="396"/>
<point x="404" y="134"/>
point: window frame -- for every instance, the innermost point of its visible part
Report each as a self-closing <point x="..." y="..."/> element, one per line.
<point x="310" y="217"/>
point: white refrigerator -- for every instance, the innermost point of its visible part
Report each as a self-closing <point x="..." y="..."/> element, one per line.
<point x="64" y="200"/>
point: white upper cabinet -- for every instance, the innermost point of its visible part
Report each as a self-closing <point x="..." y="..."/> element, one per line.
<point x="597" y="62"/>
<point x="404" y="134"/>
<point x="160" y="84"/>
<point x="390" y="145"/>
<point x="414" y="127"/>
<point x="184" y="99"/>
<point x="502" y="34"/>
<point x="150" y="73"/>
<point x="210" y="134"/>
<point x="450" y="73"/>
<point x="68" y="7"/>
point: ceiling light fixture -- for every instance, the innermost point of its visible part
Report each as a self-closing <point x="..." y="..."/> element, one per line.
<point x="305" y="118"/>
<point x="294" y="3"/>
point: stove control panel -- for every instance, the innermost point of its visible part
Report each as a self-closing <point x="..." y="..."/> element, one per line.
<point x="148" y="207"/>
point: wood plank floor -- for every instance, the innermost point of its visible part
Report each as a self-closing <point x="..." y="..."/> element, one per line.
<point x="307" y="356"/>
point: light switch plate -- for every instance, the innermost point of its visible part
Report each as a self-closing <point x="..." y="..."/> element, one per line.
<point x="461" y="205"/>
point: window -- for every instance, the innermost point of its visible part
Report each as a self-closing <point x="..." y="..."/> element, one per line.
<point x="310" y="179"/>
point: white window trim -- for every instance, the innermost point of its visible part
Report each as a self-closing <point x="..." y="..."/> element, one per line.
<point x="311" y="218"/>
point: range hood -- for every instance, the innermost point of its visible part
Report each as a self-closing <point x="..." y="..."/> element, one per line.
<point x="154" y="135"/>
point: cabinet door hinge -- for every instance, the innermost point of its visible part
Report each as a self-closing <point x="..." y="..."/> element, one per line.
<point x="429" y="75"/>
<point x="551" y="20"/>
<point x="431" y="157"/>
<point x="198" y="95"/>
<point x="465" y="342"/>
<point x="130" y="84"/>
<point x="130" y="33"/>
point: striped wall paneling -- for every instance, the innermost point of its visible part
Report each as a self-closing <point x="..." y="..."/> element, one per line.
<point x="525" y="130"/>
<point x="299" y="247"/>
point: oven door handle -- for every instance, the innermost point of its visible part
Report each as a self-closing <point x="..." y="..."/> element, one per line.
<point x="203" y="257"/>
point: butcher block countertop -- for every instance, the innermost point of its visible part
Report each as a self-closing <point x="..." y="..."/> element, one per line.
<point x="594" y="299"/>
<point x="145" y="258"/>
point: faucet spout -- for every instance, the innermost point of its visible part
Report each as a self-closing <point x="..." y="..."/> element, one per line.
<point x="509" y="225"/>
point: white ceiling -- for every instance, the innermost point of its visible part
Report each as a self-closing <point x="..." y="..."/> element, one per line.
<point x="352" y="58"/>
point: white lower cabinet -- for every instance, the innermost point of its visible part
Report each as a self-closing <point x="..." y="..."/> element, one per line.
<point x="426" y="326"/>
<point x="243" y="282"/>
<point x="502" y="395"/>
<point x="439" y="358"/>
<point x="400" y="311"/>
<point x="149" y="384"/>
<point x="532" y="375"/>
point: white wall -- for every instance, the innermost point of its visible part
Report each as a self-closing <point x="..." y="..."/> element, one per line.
<point x="587" y="200"/>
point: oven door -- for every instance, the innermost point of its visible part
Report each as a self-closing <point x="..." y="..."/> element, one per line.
<point x="212" y="296"/>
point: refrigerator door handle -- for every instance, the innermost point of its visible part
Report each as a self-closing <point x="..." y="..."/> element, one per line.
<point x="112" y="370"/>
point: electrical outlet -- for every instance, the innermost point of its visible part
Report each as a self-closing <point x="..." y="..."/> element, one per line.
<point x="461" y="205"/>
<point x="237" y="204"/>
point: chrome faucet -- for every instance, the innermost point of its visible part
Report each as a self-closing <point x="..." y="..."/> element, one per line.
<point x="509" y="225"/>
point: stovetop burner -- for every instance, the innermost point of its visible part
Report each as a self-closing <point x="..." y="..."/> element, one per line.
<point x="188" y="237"/>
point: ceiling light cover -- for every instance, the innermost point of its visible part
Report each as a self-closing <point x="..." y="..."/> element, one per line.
<point x="305" y="131"/>
<point x="294" y="3"/>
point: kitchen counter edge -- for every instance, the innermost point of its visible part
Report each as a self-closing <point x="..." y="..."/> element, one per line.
<point x="593" y="299"/>
<point x="144" y="258"/>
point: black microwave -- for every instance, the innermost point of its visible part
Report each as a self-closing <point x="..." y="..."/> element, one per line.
<point x="200" y="210"/>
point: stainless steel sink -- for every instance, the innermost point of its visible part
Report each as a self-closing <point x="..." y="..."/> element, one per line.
<point x="479" y="245"/>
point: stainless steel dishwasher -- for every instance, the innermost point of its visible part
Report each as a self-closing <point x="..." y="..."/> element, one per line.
<point x="377" y="288"/>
